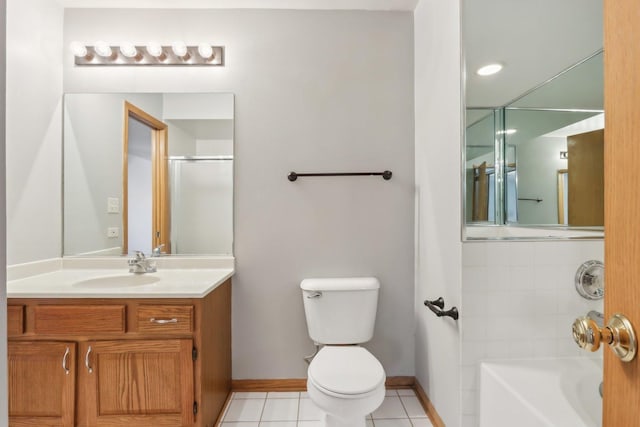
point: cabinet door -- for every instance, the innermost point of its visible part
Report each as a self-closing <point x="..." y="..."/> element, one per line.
<point x="138" y="383"/>
<point x="41" y="383"/>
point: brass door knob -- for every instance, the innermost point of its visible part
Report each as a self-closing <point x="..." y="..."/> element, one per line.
<point x="618" y="334"/>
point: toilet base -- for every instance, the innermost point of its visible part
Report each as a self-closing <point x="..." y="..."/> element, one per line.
<point x="332" y="421"/>
<point x="345" y="412"/>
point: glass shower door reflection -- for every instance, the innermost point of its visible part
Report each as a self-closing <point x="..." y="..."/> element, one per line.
<point x="201" y="205"/>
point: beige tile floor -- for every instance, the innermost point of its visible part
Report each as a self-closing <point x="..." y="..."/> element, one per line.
<point x="401" y="408"/>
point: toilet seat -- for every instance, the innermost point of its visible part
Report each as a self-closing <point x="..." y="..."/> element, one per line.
<point x="348" y="372"/>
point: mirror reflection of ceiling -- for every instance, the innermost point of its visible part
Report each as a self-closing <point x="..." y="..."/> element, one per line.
<point x="517" y="34"/>
<point x="580" y="88"/>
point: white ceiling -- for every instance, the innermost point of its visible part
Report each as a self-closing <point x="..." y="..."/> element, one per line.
<point x="407" y="5"/>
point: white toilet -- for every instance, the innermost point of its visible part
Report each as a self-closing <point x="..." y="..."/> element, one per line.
<point x="344" y="380"/>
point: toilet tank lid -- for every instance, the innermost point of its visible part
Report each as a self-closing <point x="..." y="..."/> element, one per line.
<point x="340" y="284"/>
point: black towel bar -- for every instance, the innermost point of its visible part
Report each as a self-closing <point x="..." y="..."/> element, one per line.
<point x="386" y="174"/>
<point x="537" y="200"/>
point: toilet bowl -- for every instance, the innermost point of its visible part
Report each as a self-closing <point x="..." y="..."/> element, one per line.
<point x="347" y="384"/>
<point x="344" y="380"/>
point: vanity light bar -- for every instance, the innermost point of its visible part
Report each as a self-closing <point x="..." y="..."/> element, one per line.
<point x="153" y="54"/>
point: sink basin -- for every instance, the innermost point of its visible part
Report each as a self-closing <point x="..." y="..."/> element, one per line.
<point x="119" y="281"/>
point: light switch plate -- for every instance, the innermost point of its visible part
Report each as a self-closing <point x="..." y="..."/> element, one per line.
<point x="113" y="205"/>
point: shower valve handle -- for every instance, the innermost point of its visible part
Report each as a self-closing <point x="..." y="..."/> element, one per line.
<point x="618" y="334"/>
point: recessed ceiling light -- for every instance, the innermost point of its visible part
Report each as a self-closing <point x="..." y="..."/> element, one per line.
<point x="488" y="70"/>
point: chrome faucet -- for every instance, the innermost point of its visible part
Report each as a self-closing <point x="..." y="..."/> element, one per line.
<point x="141" y="264"/>
<point x="157" y="251"/>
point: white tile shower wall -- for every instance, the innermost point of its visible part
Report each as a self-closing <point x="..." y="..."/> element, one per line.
<point x="519" y="301"/>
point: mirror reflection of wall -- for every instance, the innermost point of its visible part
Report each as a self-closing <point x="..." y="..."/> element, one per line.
<point x="139" y="194"/>
<point x="98" y="190"/>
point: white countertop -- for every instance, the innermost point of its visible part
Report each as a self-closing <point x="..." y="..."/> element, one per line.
<point x="119" y="283"/>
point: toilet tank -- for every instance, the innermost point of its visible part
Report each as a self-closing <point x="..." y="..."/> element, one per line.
<point x="340" y="310"/>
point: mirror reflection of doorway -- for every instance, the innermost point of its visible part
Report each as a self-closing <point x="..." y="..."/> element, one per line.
<point x="484" y="193"/>
<point x="586" y="178"/>
<point x="145" y="207"/>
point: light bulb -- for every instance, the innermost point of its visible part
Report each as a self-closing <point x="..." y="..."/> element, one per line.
<point x="128" y="50"/>
<point x="205" y="50"/>
<point x="78" y="49"/>
<point x="154" y="49"/>
<point x="103" y="49"/>
<point x="179" y="48"/>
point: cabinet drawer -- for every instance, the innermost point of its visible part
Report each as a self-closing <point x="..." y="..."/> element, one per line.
<point x="15" y="320"/>
<point x="165" y="318"/>
<point x="77" y="320"/>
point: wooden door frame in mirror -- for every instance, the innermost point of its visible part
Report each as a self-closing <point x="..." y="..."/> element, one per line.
<point x="159" y="178"/>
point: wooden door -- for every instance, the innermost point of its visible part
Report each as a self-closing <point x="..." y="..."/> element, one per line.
<point x="622" y="201"/>
<point x="142" y="383"/>
<point x="42" y="379"/>
<point x="586" y="178"/>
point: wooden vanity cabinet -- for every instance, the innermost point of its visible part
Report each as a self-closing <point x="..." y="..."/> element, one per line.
<point x="130" y="362"/>
<point x="42" y="383"/>
<point x="138" y="382"/>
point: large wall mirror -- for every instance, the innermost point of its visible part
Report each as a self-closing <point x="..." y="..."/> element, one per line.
<point x="534" y="131"/>
<point x="148" y="171"/>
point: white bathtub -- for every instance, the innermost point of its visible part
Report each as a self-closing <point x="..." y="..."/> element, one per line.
<point x="537" y="393"/>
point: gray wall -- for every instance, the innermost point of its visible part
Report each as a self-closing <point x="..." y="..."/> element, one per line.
<point x="538" y="164"/>
<point x="139" y="188"/>
<point x="315" y="91"/>
<point x="34" y="127"/>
